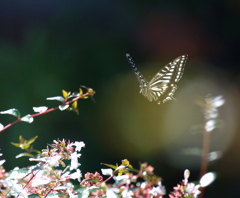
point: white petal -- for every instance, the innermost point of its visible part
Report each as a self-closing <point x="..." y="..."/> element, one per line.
<point x="40" y="109"/>
<point x="111" y="194"/>
<point x="54" y="161"/>
<point x="60" y="188"/>
<point x="74" y="94"/>
<point x="218" y="101"/>
<point x="58" y="98"/>
<point x="27" y="118"/>
<point x="63" y="107"/>
<point x="186" y="174"/>
<point x="1" y="126"/>
<point x="122" y="178"/>
<point x="210" y="125"/>
<point x="107" y="171"/>
<point x="207" y="179"/>
<point x="74" y="161"/>
<point x="10" y="111"/>
<point x="214" y="155"/>
<point x="159" y="190"/>
<point x="2" y="162"/>
<point x="38" y="181"/>
<point x="78" y="145"/>
<point x="77" y="175"/>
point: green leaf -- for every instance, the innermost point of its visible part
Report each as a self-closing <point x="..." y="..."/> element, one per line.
<point x="24" y="155"/>
<point x="24" y="144"/>
<point x="30" y="141"/>
<point x="33" y="196"/>
<point x="110" y="165"/>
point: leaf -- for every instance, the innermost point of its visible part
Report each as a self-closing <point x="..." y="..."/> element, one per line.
<point x="24" y="155"/>
<point x="65" y="94"/>
<point x="110" y="165"/>
<point x="125" y="162"/>
<point x="33" y="196"/>
<point x="32" y="140"/>
<point x="80" y="91"/>
<point x="24" y="144"/>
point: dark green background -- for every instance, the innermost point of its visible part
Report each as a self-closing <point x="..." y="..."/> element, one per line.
<point x="47" y="46"/>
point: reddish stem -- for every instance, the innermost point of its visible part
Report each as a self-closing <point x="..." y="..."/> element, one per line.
<point x="47" y="111"/>
<point x="108" y="179"/>
<point x="205" y="151"/>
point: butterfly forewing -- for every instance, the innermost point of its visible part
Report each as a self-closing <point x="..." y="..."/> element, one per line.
<point x="180" y="62"/>
<point x="171" y="73"/>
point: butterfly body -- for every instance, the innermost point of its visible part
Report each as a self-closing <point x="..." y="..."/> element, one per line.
<point x="162" y="86"/>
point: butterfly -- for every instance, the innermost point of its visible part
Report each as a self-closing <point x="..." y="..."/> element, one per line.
<point x="163" y="85"/>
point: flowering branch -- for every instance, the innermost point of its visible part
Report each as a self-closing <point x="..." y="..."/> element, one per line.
<point x="43" y="110"/>
<point x="210" y="113"/>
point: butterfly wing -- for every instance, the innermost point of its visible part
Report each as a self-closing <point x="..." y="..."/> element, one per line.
<point x="162" y="86"/>
<point x="171" y="73"/>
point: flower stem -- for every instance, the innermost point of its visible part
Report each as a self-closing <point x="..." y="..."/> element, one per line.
<point x="205" y="151"/>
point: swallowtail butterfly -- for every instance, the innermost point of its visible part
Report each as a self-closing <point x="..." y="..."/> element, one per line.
<point x="163" y="85"/>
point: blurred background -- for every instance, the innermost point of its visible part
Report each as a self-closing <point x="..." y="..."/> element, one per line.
<point x="47" y="46"/>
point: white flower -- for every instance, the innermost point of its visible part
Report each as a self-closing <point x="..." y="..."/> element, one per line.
<point x="40" y="109"/>
<point x="60" y="188"/>
<point x="215" y="102"/>
<point x="71" y="195"/>
<point x="111" y="193"/>
<point x="211" y="106"/>
<point x="54" y="161"/>
<point x="107" y="171"/>
<point x="126" y="193"/>
<point x="186" y="176"/>
<point x="159" y="190"/>
<point x="10" y="111"/>
<point x="27" y="118"/>
<point x="63" y="107"/>
<point x="121" y="179"/>
<point x="210" y="125"/>
<point x="77" y="175"/>
<point x="74" y="160"/>
<point x="65" y="176"/>
<point x="58" y="98"/>
<point x="17" y="189"/>
<point x="15" y="174"/>
<point x="192" y="188"/>
<point x="39" y="180"/>
<point x="214" y="155"/>
<point x="78" y="145"/>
